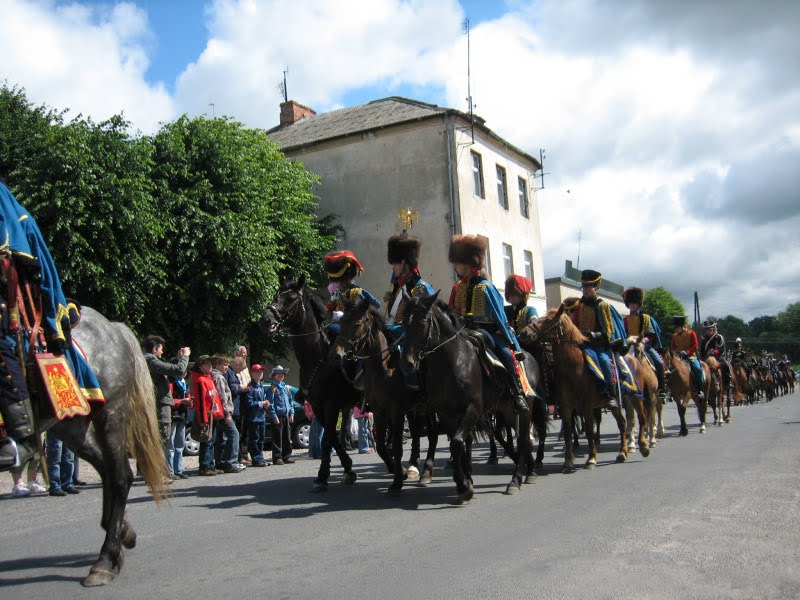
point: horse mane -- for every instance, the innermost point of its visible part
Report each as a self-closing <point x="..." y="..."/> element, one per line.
<point x="448" y="312"/>
<point x="571" y="333"/>
<point x="317" y="305"/>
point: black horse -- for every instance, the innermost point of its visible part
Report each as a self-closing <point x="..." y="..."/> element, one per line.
<point x="298" y="313"/>
<point x="126" y="425"/>
<point x="363" y="336"/>
<point x="457" y="388"/>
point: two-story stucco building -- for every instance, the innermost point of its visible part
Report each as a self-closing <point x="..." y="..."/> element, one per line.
<point x="395" y="154"/>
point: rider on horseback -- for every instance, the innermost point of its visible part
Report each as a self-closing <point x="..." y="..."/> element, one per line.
<point x="24" y="257"/>
<point x="342" y="268"/>
<point x="638" y="323"/>
<point x="713" y="344"/>
<point x="519" y="314"/>
<point x="603" y="326"/>
<point x="684" y="341"/>
<point x="475" y="298"/>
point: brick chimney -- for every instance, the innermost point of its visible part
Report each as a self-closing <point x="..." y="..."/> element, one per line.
<point x="292" y="112"/>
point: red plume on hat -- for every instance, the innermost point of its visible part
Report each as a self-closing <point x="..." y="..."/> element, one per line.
<point x="342" y="265"/>
<point x="519" y="284"/>
<point x="469" y="250"/>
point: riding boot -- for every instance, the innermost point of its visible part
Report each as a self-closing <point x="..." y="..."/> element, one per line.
<point x="18" y="432"/>
<point x="611" y="401"/>
<point x="520" y="403"/>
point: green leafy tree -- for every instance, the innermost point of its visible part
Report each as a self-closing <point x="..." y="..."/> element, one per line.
<point x="662" y="305"/>
<point x="238" y="217"/>
<point x="24" y="129"/>
<point x="732" y="327"/>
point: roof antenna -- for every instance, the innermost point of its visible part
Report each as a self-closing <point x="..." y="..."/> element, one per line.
<point x="282" y="86"/>
<point x="465" y="26"/>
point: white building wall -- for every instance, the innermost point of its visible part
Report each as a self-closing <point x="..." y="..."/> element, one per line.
<point x="486" y="217"/>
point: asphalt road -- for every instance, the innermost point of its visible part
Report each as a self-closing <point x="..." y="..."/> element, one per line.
<point x="707" y="516"/>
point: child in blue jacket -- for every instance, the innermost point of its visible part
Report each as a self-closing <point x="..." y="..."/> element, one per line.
<point x="257" y="423"/>
<point x="281" y="413"/>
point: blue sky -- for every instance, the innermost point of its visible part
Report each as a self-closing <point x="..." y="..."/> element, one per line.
<point x="675" y="126"/>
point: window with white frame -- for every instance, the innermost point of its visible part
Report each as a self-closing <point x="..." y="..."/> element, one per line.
<point x="502" y="187"/>
<point x="527" y="258"/>
<point x="477" y="174"/>
<point x="523" y="198"/>
<point x="508" y="260"/>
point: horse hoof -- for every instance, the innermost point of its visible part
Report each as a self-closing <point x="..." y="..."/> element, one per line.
<point x="645" y="452"/>
<point x="127" y="535"/>
<point x="492" y="460"/>
<point x="98" y="577"/>
<point x="412" y="472"/>
<point x="425" y="480"/>
<point x="350" y="477"/>
<point x="567" y="469"/>
<point x="320" y="486"/>
<point x="590" y="464"/>
<point x="684" y="432"/>
<point x="538" y="465"/>
<point x="511" y="489"/>
<point x="531" y="479"/>
<point x="621" y="458"/>
<point x="702" y="428"/>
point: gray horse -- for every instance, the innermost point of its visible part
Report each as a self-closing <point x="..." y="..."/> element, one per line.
<point x="126" y="425"/>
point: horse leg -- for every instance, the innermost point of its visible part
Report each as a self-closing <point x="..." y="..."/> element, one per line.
<point x="588" y="425"/>
<point x="331" y="440"/>
<point x="380" y="440"/>
<point x="396" y="431"/>
<point x="523" y="452"/>
<point x="569" y="457"/>
<point x="622" y="456"/>
<point x="433" y="438"/>
<point x="106" y="452"/>
<point x="492" y="460"/>
<point x="458" y="452"/>
<point x="540" y="417"/>
<point x="413" y="461"/>
<point x="684" y="431"/>
<point x="630" y="425"/>
<point x="641" y="413"/>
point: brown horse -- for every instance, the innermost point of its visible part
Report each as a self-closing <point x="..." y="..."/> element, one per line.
<point x="679" y="379"/>
<point x="742" y="388"/>
<point x="576" y="387"/>
<point x="655" y="427"/>
<point x="719" y="390"/>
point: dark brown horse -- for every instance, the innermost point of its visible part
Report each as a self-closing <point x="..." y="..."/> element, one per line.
<point x="679" y="379"/>
<point x="300" y="314"/>
<point x="719" y="390"/>
<point x="576" y="387"/>
<point x="457" y="388"/>
<point x="362" y="336"/>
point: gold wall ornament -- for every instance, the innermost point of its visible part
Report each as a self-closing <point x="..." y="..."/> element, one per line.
<point x="407" y="217"/>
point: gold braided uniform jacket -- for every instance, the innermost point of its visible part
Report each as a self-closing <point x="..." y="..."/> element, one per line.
<point x="420" y="289"/>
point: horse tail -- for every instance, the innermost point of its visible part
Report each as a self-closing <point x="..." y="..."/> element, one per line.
<point x="141" y="430"/>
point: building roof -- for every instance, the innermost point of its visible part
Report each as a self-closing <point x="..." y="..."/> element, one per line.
<point x="378" y="114"/>
<point x="572" y="277"/>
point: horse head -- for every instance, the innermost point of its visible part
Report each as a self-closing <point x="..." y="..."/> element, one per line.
<point x="538" y="331"/>
<point x="418" y="330"/>
<point x="287" y="307"/>
<point x="355" y="330"/>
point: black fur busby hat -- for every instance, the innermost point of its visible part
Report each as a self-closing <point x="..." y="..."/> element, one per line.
<point x="679" y="320"/>
<point x="342" y="266"/>
<point x="633" y="295"/>
<point x="591" y="277"/>
<point x="468" y="249"/>
<point x="403" y="247"/>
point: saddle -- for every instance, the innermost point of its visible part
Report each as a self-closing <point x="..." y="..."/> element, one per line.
<point x="489" y="362"/>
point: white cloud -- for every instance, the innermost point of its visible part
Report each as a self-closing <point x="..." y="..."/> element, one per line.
<point x="90" y="60"/>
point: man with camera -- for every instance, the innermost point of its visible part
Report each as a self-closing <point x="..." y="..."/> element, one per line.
<point x="160" y="371"/>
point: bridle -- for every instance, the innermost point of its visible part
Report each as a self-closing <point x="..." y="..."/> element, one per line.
<point x="291" y="312"/>
<point x="431" y="325"/>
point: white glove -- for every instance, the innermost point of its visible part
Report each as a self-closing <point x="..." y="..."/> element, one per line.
<point x="337" y="314"/>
